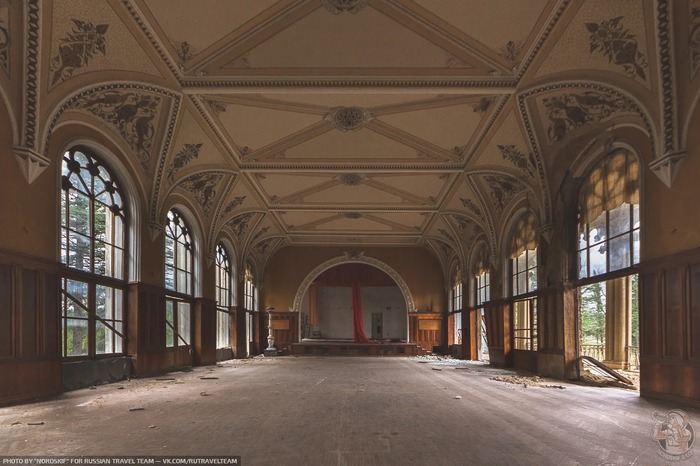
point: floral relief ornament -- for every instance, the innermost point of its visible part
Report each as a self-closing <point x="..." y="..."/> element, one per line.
<point x="618" y="45"/>
<point x="77" y="48"/>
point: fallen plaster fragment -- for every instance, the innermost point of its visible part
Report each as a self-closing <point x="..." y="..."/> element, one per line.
<point x="163" y="379"/>
<point x="436" y="369"/>
<point x="208" y="378"/>
<point x="16" y="423"/>
<point x="458" y="397"/>
<point x="152" y="427"/>
<point x="37" y="423"/>
<point x="204" y="394"/>
<point x="137" y="409"/>
<point x="121" y="387"/>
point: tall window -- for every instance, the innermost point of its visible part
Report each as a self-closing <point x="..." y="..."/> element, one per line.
<point x="609" y="216"/>
<point x="482" y="279"/>
<point x="525" y="324"/>
<point x="93" y="241"/>
<point x="457" y="288"/>
<point x="457" y="291"/>
<point x="178" y="280"/>
<point x="223" y="297"/>
<point x="250" y="301"/>
<point x="523" y="253"/>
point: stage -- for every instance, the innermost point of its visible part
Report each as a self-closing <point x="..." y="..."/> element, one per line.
<point x="331" y="347"/>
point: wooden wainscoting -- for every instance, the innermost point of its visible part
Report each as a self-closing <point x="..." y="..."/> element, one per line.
<point x="29" y="328"/>
<point x="426" y="330"/>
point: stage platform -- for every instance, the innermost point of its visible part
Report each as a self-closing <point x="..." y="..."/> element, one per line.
<point x="321" y="347"/>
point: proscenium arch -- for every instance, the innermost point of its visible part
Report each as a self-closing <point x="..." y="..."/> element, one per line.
<point x="407" y="296"/>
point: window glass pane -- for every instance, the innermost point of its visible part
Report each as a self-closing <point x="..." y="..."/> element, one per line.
<point x="118" y="304"/>
<point x="582" y="240"/>
<point x="635" y="238"/>
<point x="118" y="342"/>
<point x="532" y="279"/>
<point x="64" y="246"/>
<point x="169" y="251"/>
<point x="532" y="258"/>
<point x="619" y="220"/>
<point x="103" y="339"/>
<point x="76" y="342"/>
<point x="522" y="262"/>
<point x="182" y="256"/>
<point x="598" y="259"/>
<point x="522" y="283"/>
<point x="118" y="263"/>
<point x="101" y="259"/>
<point x="76" y="299"/>
<point x="169" y="278"/>
<point x="103" y="296"/>
<point x="79" y="253"/>
<point x="182" y="277"/>
<point x="597" y="231"/>
<point x="79" y="215"/>
<point x="620" y="252"/>
<point x="170" y="323"/>
<point x="101" y="222"/>
<point x="635" y="216"/>
<point x="118" y="231"/>
<point x="183" y="322"/>
<point x="583" y="263"/>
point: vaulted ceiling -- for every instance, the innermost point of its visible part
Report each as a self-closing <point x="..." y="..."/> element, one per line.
<point x="352" y="122"/>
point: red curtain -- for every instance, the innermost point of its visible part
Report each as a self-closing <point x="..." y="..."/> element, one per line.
<point x="358" y="326"/>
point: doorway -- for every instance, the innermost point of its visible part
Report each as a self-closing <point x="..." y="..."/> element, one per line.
<point x="377" y="326"/>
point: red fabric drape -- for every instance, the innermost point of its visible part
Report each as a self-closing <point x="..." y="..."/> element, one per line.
<point x="358" y="326"/>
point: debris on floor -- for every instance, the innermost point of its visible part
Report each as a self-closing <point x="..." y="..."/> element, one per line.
<point x="458" y="397"/>
<point x="35" y="423"/>
<point x="436" y="369"/>
<point x="526" y="381"/>
<point x="137" y="409"/>
<point x="206" y="377"/>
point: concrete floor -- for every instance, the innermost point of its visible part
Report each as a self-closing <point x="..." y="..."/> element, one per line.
<point x="344" y="411"/>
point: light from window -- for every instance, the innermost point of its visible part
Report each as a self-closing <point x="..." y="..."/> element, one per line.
<point x="524" y="272"/>
<point x="482" y="285"/>
<point x="525" y="324"/>
<point x="93" y="242"/>
<point x="178" y="281"/>
<point x="223" y="297"/>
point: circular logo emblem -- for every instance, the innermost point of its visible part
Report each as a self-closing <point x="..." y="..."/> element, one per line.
<point x="674" y="434"/>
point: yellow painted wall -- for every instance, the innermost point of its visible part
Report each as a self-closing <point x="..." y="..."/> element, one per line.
<point x="671" y="219"/>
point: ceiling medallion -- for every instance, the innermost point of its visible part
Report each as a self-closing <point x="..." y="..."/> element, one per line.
<point x="351" y="179"/>
<point x="339" y="6"/>
<point x="348" y="118"/>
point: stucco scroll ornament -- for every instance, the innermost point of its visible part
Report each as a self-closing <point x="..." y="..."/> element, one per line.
<point x="348" y="118"/>
<point x="340" y="6"/>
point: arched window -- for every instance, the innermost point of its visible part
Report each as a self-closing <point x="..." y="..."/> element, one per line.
<point x="482" y="278"/>
<point x="523" y="258"/>
<point x="223" y="297"/>
<point x="456" y="316"/>
<point x="523" y="255"/>
<point x="457" y="290"/>
<point x="609" y="216"/>
<point x="178" y="280"/>
<point x="93" y="243"/>
<point x="250" y="301"/>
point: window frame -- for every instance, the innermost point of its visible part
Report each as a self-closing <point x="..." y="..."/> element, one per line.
<point x="530" y="332"/>
<point x="531" y="266"/>
<point x="223" y="315"/>
<point x="112" y="324"/>
<point x="173" y="296"/>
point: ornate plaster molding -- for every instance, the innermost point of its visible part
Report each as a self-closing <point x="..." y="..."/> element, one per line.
<point x="30" y="162"/>
<point x="348" y="118"/>
<point x="668" y="166"/>
<point x="354" y="257"/>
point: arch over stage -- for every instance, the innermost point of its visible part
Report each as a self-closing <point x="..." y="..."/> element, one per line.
<point x="349" y="259"/>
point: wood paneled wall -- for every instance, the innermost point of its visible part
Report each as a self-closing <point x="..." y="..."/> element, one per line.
<point x="204" y="331"/>
<point x="670" y="329"/>
<point x="30" y="351"/>
<point x="146" y="333"/>
<point x="285" y="329"/>
<point x="426" y="330"/>
<point x="497" y="316"/>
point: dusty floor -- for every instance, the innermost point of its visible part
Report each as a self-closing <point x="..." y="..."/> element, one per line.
<point x="345" y="411"/>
